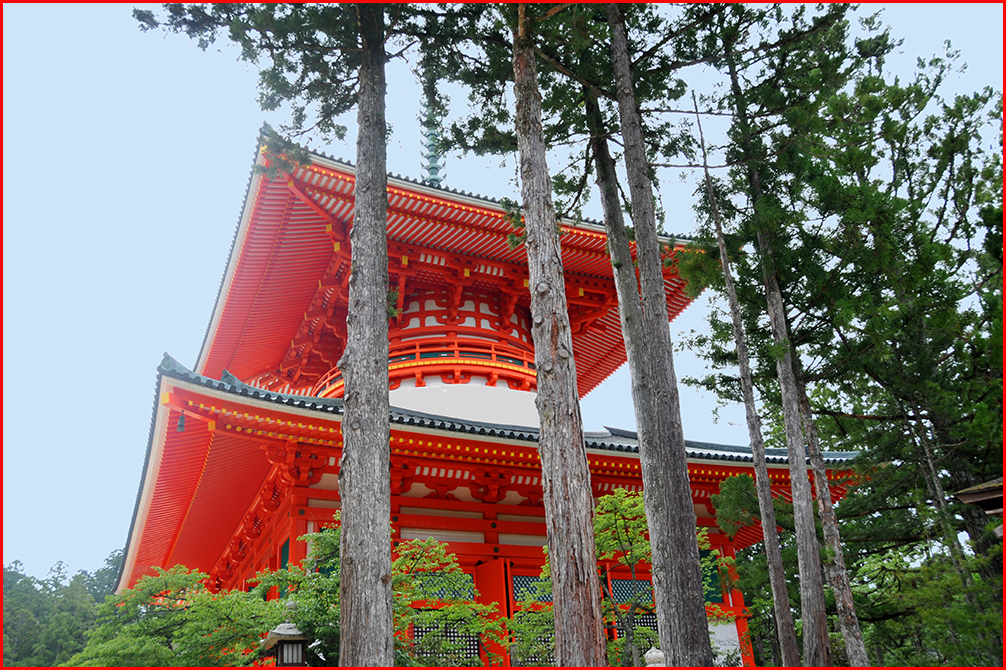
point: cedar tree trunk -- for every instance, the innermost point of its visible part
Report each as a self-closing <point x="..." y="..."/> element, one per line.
<point x="364" y="479"/>
<point x="816" y="644"/>
<point x="785" y="629"/>
<point x="629" y="309"/>
<point x="677" y="575"/>
<point x="569" y="504"/>
<point x="837" y="573"/>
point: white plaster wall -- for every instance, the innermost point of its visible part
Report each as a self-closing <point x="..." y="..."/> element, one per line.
<point x="473" y="401"/>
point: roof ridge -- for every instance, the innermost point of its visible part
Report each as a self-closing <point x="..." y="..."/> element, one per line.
<point x="625" y="441"/>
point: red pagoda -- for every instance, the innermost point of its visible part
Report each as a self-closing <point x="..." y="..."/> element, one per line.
<point x="243" y="452"/>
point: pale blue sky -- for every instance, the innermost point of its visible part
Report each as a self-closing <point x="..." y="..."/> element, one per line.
<point x="126" y="157"/>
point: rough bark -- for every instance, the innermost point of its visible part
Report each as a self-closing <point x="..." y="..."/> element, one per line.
<point x="935" y="486"/>
<point x="569" y="503"/>
<point x="836" y="571"/>
<point x="627" y="289"/>
<point x="816" y="645"/>
<point x="677" y="575"/>
<point x="785" y="629"/>
<point x="624" y="270"/>
<point x="364" y="480"/>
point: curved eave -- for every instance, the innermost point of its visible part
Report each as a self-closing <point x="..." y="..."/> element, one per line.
<point x="197" y="483"/>
<point x="194" y="490"/>
<point x="283" y="248"/>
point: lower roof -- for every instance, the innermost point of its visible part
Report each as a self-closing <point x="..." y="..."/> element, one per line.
<point x="197" y="482"/>
<point x="610" y="439"/>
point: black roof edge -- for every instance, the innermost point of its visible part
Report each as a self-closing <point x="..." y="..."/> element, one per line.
<point x="169" y="367"/>
<point x="773" y="455"/>
<point x="229" y="383"/>
<point x="172" y="368"/>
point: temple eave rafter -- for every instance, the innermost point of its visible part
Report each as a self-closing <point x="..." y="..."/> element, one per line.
<point x="234" y="419"/>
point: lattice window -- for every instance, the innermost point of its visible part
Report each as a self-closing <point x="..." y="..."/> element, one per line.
<point x="623" y="589"/>
<point x="452" y="646"/>
<point x="523" y="588"/>
<point x="641" y="620"/>
<point x="628" y="590"/>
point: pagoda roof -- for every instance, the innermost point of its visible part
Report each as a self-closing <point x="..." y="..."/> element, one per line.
<point x="610" y="439"/>
<point x="289" y="255"/>
<point x="989" y="487"/>
<point x="197" y="483"/>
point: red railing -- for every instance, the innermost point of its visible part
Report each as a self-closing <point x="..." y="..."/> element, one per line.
<point x="446" y="357"/>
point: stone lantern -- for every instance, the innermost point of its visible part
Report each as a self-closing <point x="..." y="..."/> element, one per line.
<point x="290" y="643"/>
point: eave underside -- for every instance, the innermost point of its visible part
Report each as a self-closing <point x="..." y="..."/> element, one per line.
<point x="282" y="306"/>
<point x="206" y="483"/>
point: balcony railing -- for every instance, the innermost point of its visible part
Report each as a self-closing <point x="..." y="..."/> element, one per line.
<point x="443" y="356"/>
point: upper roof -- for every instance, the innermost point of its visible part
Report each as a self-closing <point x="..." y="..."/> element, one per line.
<point x="289" y="258"/>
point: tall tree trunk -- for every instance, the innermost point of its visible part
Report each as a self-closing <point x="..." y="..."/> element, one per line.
<point x="627" y="289"/>
<point x="943" y="513"/>
<point x="569" y="502"/>
<point x="364" y="480"/>
<point x="785" y="628"/>
<point x="816" y="645"/>
<point x="935" y="487"/>
<point x="677" y="575"/>
<point x="837" y="573"/>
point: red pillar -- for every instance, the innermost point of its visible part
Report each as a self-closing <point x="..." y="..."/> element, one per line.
<point x="736" y="599"/>
<point x="490" y="581"/>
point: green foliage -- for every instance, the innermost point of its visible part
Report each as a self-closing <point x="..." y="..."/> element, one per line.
<point x="44" y="621"/>
<point x="393" y="309"/>
<point x="621" y="534"/>
<point x="699" y="267"/>
<point x="172" y="619"/>
<point x="513" y="216"/>
<point x="314" y="587"/>
<point x="429" y="590"/>
<point x="930" y="616"/>
<point x="881" y="203"/>
<point x="532" y="626"/>
<point x="431" y="593"/>
<point x="621" y="537"/>
<point x="620" y="530"/>
<point x="471" y="45"/>
<point x="102" y="581"/>
<point x="737" y="506"/>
